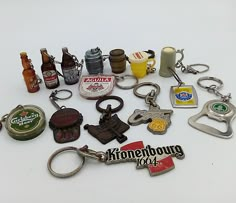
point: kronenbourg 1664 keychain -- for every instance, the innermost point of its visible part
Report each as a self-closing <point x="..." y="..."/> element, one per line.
<point x="181" y="96"/>
<point x="158" y="119"/>
<point x="220" y="110"/>
<point x="65" y="122"/>
<point x="25" y="122"/>
<point x="110" y="126"/>
<point x="157" y="160"/>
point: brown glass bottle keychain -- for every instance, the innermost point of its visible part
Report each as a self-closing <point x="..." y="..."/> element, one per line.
<point x="65" y="122"/>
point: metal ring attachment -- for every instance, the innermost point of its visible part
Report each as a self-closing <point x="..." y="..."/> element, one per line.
<point x="122" y="78"/>
<point x="135" y="90"/>
<point x="54" y="93"/>
<point x="211" y="86"/>
<point x="101" y="99"/>
<point x="69" y="174"/>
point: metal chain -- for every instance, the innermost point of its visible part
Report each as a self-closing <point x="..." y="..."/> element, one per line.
<point x="151" y="98"/>
<point x="214" y="89"/>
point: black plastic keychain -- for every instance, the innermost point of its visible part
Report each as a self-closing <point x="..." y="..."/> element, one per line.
<point x="110" y="127"/>
<point x="65" y="122"/>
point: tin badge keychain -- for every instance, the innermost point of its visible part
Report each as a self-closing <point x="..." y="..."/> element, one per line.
<point x="220" y="110"/>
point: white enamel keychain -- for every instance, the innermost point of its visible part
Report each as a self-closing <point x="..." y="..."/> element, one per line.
<point x="220" y="110"/>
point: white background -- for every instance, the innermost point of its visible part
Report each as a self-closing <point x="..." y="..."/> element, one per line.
<point x="205" y="29"/>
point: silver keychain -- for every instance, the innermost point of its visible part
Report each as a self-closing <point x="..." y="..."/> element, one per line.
<point x="185" y="96"/>
<point x="220" y="110"/>
<point x="158" y="119"/>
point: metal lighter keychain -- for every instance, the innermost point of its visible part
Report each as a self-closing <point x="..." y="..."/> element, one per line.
<point x="157" y="160"/>
<point x="220" y="110"/>
<point x="158" y="119"/>
<point x="65" y="122"/>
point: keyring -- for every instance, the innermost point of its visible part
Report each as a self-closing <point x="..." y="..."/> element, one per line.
<point x="101" y="99"/>
<point x="157" y="87"/>
<point x="122" y="78"/>
<point x="211" y="86"/>
<point x="54" y="93"/>
<point x="69" y="174"/>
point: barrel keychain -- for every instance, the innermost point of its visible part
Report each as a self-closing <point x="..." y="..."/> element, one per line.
<point x="24" y="122"/>
<point x="181" y="95"/>
<point x="65" y="122"/>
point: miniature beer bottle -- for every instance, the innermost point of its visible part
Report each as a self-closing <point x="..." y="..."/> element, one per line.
<point x="28" y="73"/>
<point x="69" y="68"/>
<point x="49" y="71"/>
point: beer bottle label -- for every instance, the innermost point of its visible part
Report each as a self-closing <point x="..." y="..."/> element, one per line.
<point x="70" y="75"/>
<point x="50" y="78"/>
<point x="32" y="84"/>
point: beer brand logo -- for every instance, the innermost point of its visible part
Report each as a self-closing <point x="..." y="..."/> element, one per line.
<point x="95" y="87"/>
<point x="25" y="120"/>
<point x="184" y="96"/>
<point x="157" y="160"/>
<point x="220" y="108"/>
<point x="97" y="79"/>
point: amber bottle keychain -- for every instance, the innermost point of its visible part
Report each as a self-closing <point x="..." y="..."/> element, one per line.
<point x="65" y="122"/>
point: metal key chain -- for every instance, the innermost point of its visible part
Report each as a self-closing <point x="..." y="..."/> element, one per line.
<point x="157" y="160"/>
<point x="110" y="126"/>
<point x="220" y="110"/>
<point x="65" y="122"/>
<point x="158" y="119"/>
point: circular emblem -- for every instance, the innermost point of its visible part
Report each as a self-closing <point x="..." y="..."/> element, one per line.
<point x="220" y="108"/>
<point x="184" y="96"/>
<point x="25" y="122"/>
<point x="158" y="125"/>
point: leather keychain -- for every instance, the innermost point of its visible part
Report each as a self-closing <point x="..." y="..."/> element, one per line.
<point x="65" y="122"/>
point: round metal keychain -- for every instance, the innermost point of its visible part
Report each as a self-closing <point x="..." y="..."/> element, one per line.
<point x="25" y="122"/>
<point x="110" y="126"/>
<point x="220" y="110"/>
<point x="65" y="122"/>
<point x="158" y="119"/>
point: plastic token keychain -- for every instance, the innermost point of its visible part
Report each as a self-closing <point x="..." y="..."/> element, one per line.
<point x="65" y="122"/>
<point x="156" y="160"/>
<point x="220" y="110"/>
<point x="25" y="122"/>
<point x="181" y="96"/>
<point x="110" y="126"/>
<point x="95" y="86"/>
<point x="158" y="119"/>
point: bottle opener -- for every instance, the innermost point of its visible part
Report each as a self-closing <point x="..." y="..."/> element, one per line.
<point x="157" y="160"/>
<point x="219" y="110"/>
<point x="158" y="119"/>
<point x="95" y="86"/>
<point x="110" y="127"/>
<point x="65" y="122"/>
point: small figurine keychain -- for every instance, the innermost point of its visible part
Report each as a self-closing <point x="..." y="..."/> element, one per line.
<point x="156" y="160"/>
<point x="158" y="119"/>
<point x="110" y="126"/>
<point x="181" y="96"/>
<point x="24" y="122"/>
<point x="220" y="110"/>
<point x="65" y="122"/>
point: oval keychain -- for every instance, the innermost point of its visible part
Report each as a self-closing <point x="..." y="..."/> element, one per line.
<point x="65" y="122"/>
<point x="25" y="122"/>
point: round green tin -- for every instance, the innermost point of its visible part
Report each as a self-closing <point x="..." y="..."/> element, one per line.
<point x="25" y="122"/>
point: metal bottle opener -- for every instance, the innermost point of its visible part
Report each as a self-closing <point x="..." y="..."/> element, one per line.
<point x="219" y="110"/>
<point x="110" y="127"/>
<point x="65" y="122"/>
<point x="157" y="160"/>
<point x="158" y="119"/>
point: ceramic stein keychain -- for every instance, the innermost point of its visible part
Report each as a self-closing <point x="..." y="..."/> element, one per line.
<point x="24" y="122"/>
<point x="156" y="160"/>
<point x="181" y="96"/>
<point x="220" y="110"/>
<point x="110" y="126"/>
<point x="158" y="119"/>
<point x="65" y="122"/>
